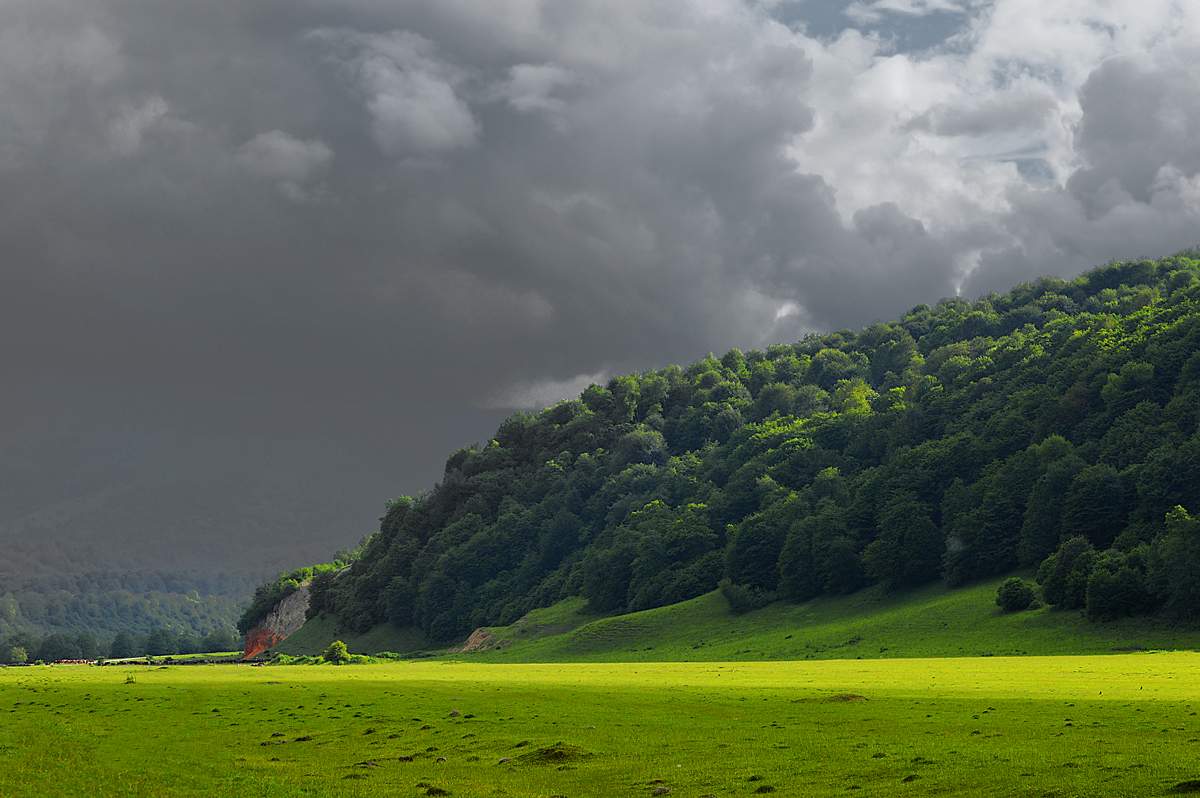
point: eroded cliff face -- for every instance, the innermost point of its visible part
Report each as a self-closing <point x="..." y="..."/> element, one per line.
<point x="281" y="622"/>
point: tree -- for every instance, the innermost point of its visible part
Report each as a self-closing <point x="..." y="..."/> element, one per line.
<point x="1176" y="563"/>
<point x="1064" y="574"/>
<point x="909" y="548"/>
<point x="218" y="640"/>
<point x="1015" y="595"/>
<point x="87" y="645"/>
<point x="753" y="555"/>
<point x="1095" y="505"/>
<point x="159" y="642"/>
<point x="122" y="646"/>
<point x="1118" y="585"/>
<point x="58" y="646"/>
<point x="1041" y="529"/>
<point x="17" y="655"/>
<point x="336" y="653"/>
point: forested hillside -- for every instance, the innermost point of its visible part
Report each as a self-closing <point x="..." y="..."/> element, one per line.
<point x="1053" y="427"/>
<point x="156" y="612"/>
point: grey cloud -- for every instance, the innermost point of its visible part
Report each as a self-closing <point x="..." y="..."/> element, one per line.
<point x="1025" y="109"/>
<point x="1138" y="116"/>
<point x="275" y="155"/>
<point x="1135" y="195"/>
<point x="543" y="392"/>
<point x="515" y="197"/>
<point x="411" y="94"/>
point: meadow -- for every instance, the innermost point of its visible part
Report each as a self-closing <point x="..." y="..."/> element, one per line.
<point x="931" y="621"/>
<point x="1122" y="724"/>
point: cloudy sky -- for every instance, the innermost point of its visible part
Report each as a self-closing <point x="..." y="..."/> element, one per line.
<point x="308" y="247"/>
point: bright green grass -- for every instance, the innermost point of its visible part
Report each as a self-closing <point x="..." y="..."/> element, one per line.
<point x="931" y="622"/>
<point x="1120" y="725"/>
<point x="232" y="656"/>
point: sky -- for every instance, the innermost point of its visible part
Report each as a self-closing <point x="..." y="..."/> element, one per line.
<point x="266" y="264"/>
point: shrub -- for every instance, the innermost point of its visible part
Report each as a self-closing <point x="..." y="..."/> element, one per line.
<point x="1015" y="595"/>
<point x="336" y="653"/>
<point x="744" y="598"/>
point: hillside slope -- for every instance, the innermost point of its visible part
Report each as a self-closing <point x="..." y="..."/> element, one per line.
<point x="932" y="621"/>
<point x="1053" y="428"/>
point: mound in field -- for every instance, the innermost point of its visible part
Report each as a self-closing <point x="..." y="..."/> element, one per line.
<point x="556" y="754"/>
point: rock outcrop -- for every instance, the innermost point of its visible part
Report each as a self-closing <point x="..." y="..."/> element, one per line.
<point x="280" y="623"/>
<point x="480" y="640"/>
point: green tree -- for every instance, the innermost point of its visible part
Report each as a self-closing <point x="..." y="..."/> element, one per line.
<point x="87" y="645"/>
<point x="1118" y="585"/>
<point x="1064" y="574"/>
<point x="58" y="646"/>
<point x="218" y="640"/>
<point x="16" y="655"/>
<point x="909" y="548"/>
<point x="336" y="653"/>
<point x="159" y="642"/>
<point x="1015" y="595"/>
<point x="122" y="646"/>
<point x="1095" y="507"/>
<point x="1176" y="564"/>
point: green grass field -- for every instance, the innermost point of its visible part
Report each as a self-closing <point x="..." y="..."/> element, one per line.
<point x="1119" y="725"/>
<point x="931" y="622"/>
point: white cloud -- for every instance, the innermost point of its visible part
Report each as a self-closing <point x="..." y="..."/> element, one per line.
<point x="531" y="87"/>
<point x="876" y="11"/>
<point x="410" y="93"/>
<point x="543" y="392"/>
<point x="126" y="130"/>
<point x="278" y="156"/>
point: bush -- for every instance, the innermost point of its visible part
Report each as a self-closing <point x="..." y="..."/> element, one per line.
<point x="336" y="653"/>
<point x="744" y="598"/>
<point x="1015" y="595"/>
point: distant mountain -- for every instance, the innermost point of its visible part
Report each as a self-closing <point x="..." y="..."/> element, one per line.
<point x="131" y="532"/>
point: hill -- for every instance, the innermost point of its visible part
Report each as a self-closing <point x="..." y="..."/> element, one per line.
<point x="1054" y="428"/>
<point x="930" y="621"/>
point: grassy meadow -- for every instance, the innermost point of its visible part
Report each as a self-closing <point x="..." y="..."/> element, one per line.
<point x="933" y="621"/>
<point x="1048" y="726"/>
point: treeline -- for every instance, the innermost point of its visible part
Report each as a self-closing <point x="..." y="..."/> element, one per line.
<point x="104" y="603"/>
<point x="25" y="647"/>
<point x="1052" y="427"/>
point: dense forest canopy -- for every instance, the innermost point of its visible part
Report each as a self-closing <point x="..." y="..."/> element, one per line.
<point x="83" y="614"/>
<point x="1053" y="427"/>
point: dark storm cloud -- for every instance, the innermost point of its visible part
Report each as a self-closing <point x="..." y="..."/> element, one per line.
<point x="370" y="227"/>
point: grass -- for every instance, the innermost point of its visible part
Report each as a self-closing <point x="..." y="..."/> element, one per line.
<point x="232" y="656"/>
<point x="1062" y="726"/>
<point x="317" y="633"/>
<point x="933" y="621"/>
<point x="930" y="622"/>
